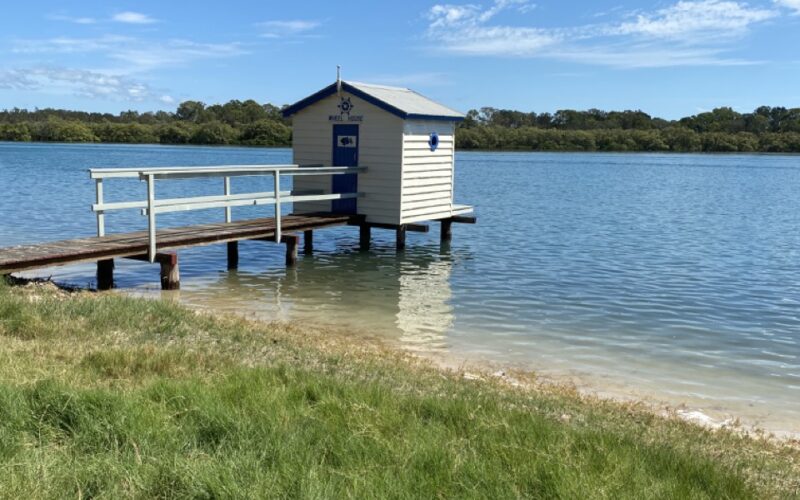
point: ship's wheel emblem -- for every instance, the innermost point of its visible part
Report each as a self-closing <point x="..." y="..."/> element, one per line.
<point x="345" y="106"/>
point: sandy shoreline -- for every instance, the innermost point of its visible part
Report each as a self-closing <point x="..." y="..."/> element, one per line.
<point x="754" y="420"/>
<point x="713" y="414"/>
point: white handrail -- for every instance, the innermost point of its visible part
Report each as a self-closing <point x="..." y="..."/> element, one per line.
<point x="153" y="206"/>
<point x="133" y="172"/>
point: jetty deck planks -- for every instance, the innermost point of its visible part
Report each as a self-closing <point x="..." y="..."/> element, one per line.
<point x="27" y="257"/>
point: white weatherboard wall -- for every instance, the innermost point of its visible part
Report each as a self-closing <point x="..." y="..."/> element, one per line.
<point x="380" y="149"/>
<point x="427" y="191"/>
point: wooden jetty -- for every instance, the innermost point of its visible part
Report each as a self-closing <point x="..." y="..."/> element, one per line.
<point x="406" y="139"/>
<point x="159" y="245"/>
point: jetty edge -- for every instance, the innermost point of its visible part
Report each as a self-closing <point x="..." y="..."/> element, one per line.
<point x="109" y="395"/>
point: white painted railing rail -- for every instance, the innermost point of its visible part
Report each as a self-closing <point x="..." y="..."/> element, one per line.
<point x="153" y="206"/>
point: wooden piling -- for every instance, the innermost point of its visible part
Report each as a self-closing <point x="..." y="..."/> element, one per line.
<point x="446" y="234"/>
<point x="105" y="274"/>
<point x="233" y="255"/>
<point x="364" y="237"/>
<point x="170" y="273"/>
<point x="401" y="237"/>
<point x="308" y="242"/>
<point x="292" y="241"/>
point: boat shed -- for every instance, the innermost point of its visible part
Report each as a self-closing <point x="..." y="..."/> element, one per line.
<point x="405" y="141"/>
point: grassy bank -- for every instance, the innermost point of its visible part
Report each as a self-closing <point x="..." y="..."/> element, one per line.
<point x="103" y="395"/>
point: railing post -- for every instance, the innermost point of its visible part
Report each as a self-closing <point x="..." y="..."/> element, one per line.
<point x="101" y="216"/>
<point x="228" y="213"/>
<point x="151" y="217"/>
<point x="277" y="176"/>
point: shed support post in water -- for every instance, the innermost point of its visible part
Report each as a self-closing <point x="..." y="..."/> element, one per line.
<point x="401" y="237"/>
<point x="447" y="230"/>
<point x="364" y="236"/>
<point x="170" y="274"/>
<point x="105" y="274"/>
<point x="308" y="242"/>
<point x="233" y="255"/>
<point x="292" y="241"/>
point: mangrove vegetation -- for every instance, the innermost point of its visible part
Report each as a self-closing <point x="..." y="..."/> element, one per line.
<point x="766" y="129"/>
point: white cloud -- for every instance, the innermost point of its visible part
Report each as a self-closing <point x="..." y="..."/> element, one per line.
<point x="120" y="65"/>
<point x="129" y="17"/>
<point x="648" y="56"/>
<point x="174" y="53"/>
<point x="501" y="40"/>
<point x="790" y="4"/>
<point x="471" y="14"/>
<point x="281" y="29"/>
<point x="68" y="45"/>
<point x="689" y="32"/>
<point x="463" y="29"/>
<point x="16" y="80"/>
<point x="705" y="18"/>
<point x="79" y="82"/>
<point x="134" y="54"/>
<point x="70" y="19"/>
<point x="453" y="15"/>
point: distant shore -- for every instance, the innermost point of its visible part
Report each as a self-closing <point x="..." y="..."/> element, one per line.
<point x="248" y="123"/>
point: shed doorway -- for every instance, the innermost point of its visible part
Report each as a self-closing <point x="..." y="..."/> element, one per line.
<point x="345" y="154"/>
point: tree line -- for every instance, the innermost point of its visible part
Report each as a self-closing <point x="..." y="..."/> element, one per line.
<point x="766" y="129"/>
<point x="236" y="122"/>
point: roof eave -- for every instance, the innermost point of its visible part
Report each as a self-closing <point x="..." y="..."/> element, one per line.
<point x="308" y="101"/>
<point x="331" y="89"/>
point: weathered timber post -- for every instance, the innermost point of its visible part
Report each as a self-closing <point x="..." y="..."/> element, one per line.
<point x="401" y="237"/>
<point x="446" y="233"/>
<point x="364" y="237"/>
<point x="105" y="274"/>
<point x="233" y="255"/>
<point x="170" y="273"/>
<point x="308" y="242"/>
<point x="292" y="241"/>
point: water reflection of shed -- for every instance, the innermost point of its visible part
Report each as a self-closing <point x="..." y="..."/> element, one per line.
<point x="406" y="300"/>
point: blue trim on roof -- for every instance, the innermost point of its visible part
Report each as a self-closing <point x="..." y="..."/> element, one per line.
<point x="331" y="89"/>
<point x="308" y="101"/>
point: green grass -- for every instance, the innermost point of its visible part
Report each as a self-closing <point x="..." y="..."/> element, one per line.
<point x="108" y="396"/>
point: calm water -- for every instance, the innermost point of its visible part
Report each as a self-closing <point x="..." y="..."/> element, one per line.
<point x="671" y="276"/>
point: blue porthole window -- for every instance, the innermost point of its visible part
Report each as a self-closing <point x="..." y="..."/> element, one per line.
<point x="433" y="141"/>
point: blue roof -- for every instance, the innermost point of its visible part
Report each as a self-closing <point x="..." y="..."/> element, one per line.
<point x="401" y="102"/>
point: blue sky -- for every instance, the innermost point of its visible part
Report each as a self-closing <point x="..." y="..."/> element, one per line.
<point x="668" y="58"/>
